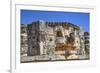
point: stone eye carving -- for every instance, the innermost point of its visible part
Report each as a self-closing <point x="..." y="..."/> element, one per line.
<point x="59" y="34"/>
<point x="50" y="39"/>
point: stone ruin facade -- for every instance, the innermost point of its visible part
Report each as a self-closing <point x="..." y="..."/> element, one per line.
<point x="53" y="39"/>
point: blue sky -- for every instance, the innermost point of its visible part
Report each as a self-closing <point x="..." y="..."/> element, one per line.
<point x="77" y="18"/>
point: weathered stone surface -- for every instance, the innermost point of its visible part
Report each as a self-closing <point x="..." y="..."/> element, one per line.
<point x="53" y="41"/>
